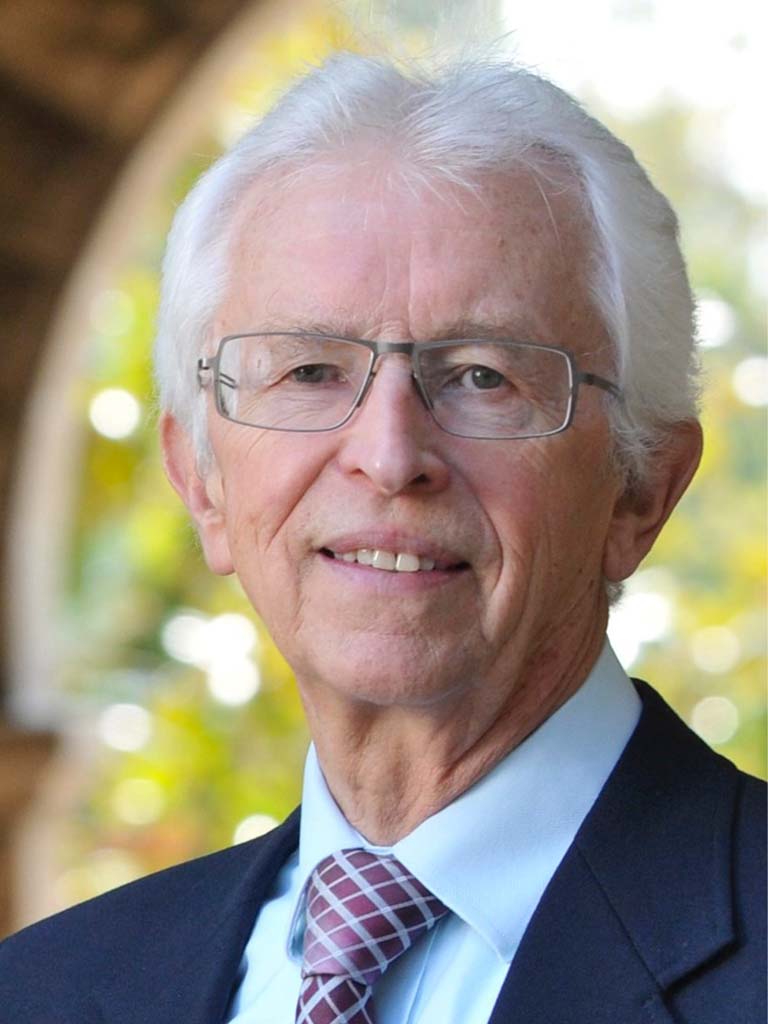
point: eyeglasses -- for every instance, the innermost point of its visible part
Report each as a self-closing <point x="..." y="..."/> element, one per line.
<point x="487" y="389"/>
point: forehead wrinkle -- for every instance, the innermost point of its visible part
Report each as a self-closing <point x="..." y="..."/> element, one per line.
<point x="345" y="324"/>
<point x="431" y="313"/>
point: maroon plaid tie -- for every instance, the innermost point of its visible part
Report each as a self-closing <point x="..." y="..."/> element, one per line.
<point x="363" y="911"/>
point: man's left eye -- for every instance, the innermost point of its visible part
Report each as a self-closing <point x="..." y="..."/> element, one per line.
<point x="482" y="378"/>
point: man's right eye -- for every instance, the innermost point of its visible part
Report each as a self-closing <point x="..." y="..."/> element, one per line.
<point x="314" y="373"/>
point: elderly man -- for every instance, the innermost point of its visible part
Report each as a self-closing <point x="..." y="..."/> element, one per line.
<point x="427" y="370"/>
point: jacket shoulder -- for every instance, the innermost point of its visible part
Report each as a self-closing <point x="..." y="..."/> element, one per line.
<point x="58" y="957"/>
<point x="146" y="897"/>
<point x="678" y="844"/>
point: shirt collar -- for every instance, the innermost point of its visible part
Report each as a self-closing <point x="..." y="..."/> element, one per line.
<point x="517" y="821"/>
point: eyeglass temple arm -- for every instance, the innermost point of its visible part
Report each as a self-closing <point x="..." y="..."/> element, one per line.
<point x="206" y="366"/>
<point x="600" y="382"/>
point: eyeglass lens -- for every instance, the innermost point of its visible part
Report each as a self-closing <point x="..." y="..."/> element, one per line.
<point x="488" y="389"/>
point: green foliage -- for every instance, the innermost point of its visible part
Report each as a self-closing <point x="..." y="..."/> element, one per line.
<point x="714" y="547"/>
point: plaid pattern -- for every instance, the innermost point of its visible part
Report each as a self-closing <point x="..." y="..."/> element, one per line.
<point x="363" y="911"/>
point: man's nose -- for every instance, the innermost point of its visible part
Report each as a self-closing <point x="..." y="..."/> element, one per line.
<point x="392" y="439"/>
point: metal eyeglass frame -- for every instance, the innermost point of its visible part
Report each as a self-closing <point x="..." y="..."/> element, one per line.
<point x="377" y="349"/>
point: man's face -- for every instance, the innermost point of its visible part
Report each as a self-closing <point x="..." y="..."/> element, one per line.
<point x="518" y="528"/>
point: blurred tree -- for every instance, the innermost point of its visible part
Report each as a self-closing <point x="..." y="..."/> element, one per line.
<point x="709" y="564"/>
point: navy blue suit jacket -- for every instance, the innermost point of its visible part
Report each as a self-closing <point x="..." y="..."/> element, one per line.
<point x="656" y="914"/>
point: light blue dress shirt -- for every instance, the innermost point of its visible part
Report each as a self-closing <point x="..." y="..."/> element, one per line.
<point x="488" y="856"/>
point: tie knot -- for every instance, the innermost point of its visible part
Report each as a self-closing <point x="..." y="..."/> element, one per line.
<point x="363" y="911"/>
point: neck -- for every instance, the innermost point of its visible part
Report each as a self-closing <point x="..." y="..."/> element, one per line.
<point x="389" y="768"/>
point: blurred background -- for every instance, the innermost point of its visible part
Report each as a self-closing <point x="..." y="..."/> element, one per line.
<point x="146" y="716"/>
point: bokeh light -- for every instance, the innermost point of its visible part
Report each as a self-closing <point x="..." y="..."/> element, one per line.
<point x="252" y="827"/>
<point x="115" y="413"/>
<point x="126" y="727"/>
<point x="715" y="719"/>
<point x="750" y="380"/>
<point x="715" y="649"/>
<point x="233" y="680"/>
<point x="716" y="320"/>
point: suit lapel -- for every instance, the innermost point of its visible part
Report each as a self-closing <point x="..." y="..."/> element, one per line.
<point x="576" y="962"/>
<point x="187" y="965"/>
<point x="643" y="897"/>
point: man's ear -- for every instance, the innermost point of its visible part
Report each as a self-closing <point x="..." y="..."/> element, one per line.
<point x="642" y="510"/>
<point x="203" y="496"/>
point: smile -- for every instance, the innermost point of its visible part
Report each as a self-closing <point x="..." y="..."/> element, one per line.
<point x="389" y="561"/>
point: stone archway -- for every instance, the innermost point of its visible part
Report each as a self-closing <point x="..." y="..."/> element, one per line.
<point x="82" y="83"/>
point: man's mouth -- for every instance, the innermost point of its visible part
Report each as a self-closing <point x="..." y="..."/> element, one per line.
<point x="392" y="561"/>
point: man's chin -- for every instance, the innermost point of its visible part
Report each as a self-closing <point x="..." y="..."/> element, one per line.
<point x="388" y="682"/>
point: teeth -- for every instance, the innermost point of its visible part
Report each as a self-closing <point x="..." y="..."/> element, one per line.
<point x="407" y="563"/>
<point x="387" y="560"/>
<point x="384" y="560"/>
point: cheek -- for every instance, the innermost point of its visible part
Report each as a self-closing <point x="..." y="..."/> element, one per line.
<point x="580" y="507"/>
<point x="257" y="507"/>
<point x="517" y="492"/>
<point x="266" y="477"/>
<point x="549" y="507"/>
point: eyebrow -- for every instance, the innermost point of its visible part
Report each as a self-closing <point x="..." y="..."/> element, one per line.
<point x="345" y="326"/>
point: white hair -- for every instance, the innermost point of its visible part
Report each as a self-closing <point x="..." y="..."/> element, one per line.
<point x="453" y="125"/>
